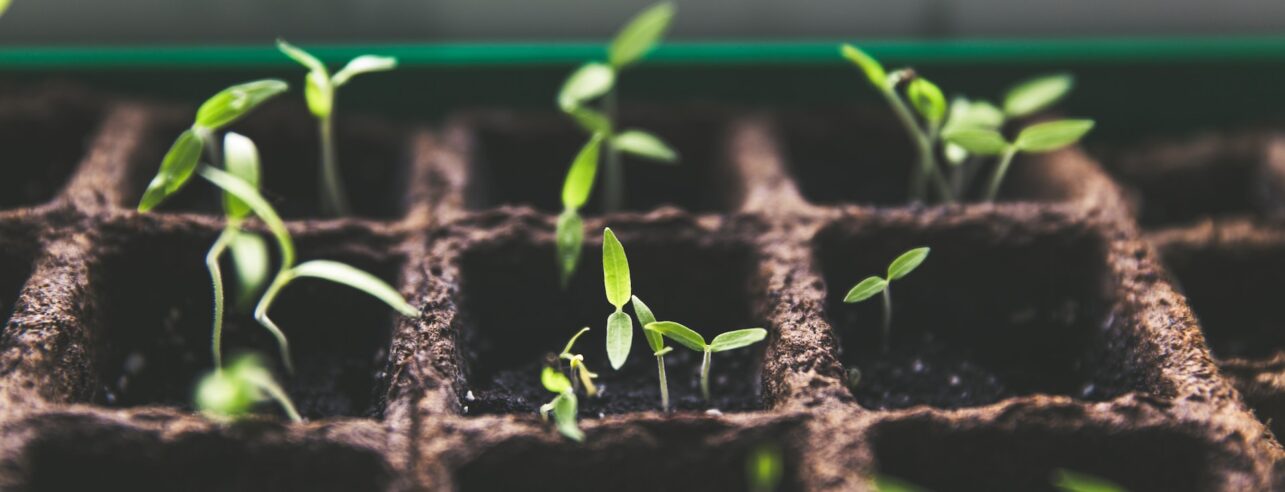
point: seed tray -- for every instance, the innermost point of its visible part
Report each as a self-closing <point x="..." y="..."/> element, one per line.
<point x="1044" y="333"/>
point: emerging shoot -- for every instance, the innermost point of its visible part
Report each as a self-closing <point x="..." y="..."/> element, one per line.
<point x="232" y="392"/>
<point x="657" y="344"/>
<point x="575" y="192"/>
<point x="689" y="338"/>
<point x="764" y="468"/>
<point x="580" y="374"/>
<point x="615" y="281"/>
<point x="562" y="406"/>
<point x="320" y="91"/>
<point x="872" y="285"/>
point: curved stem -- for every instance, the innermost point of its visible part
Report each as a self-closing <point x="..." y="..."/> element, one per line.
<point x="276" y="393"/>
<point x="261" y="315"/>
<point x="334" y="199"/>
<point x="887" y="318"/>
<point x="998" y="177"/>
<point x="664" y="383"/>
<point x="927" y="158"/>
<point x="705" y="375"/>
<point x="216" y="277"/>
<point x="614" y="196"/>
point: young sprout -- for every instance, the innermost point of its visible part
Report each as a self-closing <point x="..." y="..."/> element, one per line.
<point x="615" y="281"/>
<point x="562" y="406"/>
<point x="658" y="348"/>
<point x="575" y="192"/>
<point x="1069" y="481"/>
<point x="874" y="284"/>
<point x="689" y="338"/>
<point x="580" y="374"/>
<point x="1037" y="138"/>
<point x="596" y="80"/>
<point x="764" y="468"/>
<point x="320" y="92"/>
<point x="233" y="391"/>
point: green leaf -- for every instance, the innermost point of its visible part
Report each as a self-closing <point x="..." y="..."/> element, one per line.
<point x="221" y="393"/>
<point x="643" y="144"/>
<point x="906" y="263"/>
<point x="240" y="159"/>
<point x="873" y="70"/>
<point x="362" y="65"/>
<point x="555" y="381"/>
<point x="176" y="168"/>
<point x="341" y="273"/>
<point x="591" y="121"/>
<point x="973" y="114"/>
<point x="977" y="140"/>
<point x="1069" y="481"/>
<point x="4" y="6"/>
<point x="579" y="182"/>
<point x="569" y="237"/>
<point x="865" y="289"/>
<point x="1052" y="135"/>
<point x="587" y="83"/>
<point x="736" y="339"/>
<point x="645" y="317"/>
<point x="564" y="415"/>
<point x="681" y="334"/>
<point x="262" y="209"/>
<point x="1033" y="95"/>
<point x="319" y="94"/>
<point x="927" y="99"/>
<point x="620" y="338"/>
<point x="234" y="102"/>
<point x="640" y="35"/>
<point x="250" y="259"/>
<point x="885" y="483"/>
<point x="303" y="57"/>
<point x="572" y="342"/>
<point x="765" y="467"/>
<point x="615" y="270"/>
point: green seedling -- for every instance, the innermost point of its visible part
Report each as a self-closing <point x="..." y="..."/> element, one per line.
<point x="874" y="284"/>
<point x="689" y="338"/>
<point x="580" y="374"/>
<point x="596" y="81"/>
<point x="320" y="90"/>
<point x="1069" y="481"/>
<point x="615" y="281"/>
<point x="658" y="348"/>
<point x="765" y="468"/>
<point x="563" y="406"/>
<point x="1037" y="138"/>
<point x="232" y="392"/>
<point x="575" y="192"/>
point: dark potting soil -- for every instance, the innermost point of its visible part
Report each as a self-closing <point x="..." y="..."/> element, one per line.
<point x="1233" y="291"/>
<point x="45" y="133"/>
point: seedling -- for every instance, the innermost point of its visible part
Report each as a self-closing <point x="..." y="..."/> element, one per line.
<point x="1069" y="481"/>
<point x="658" y="348"/>
<point x="580" y="374"/>
<point x="764" y="468"/>
<point x="562" y="406"/>
<point x="689" y="338"/>
<point x="320" y="90"/>
<point x="875" y="284"/>
<point x="232" y="392"/>
<point x="1037" y="138"/>
<point x="575" y="192"/>
<point x="620" y="335"/>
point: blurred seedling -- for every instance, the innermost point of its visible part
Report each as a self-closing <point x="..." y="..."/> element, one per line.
<point x="1038" y="138"/>
<point x="564" y="406"/>
<point x="580" y="374"/>
<point x="232" y="392"/>
<point x="764" y="468"/>
<point x="320" y="91"/>
<point x="900" y="267"/>
<point x="689" y="338"/>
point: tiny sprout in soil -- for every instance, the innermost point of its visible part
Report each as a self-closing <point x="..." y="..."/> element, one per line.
<point x="320" y="90"/>
<point x="563" y="406"/>
<point x="874" y="284"/>
<point x="968" y="130"/>
<point x="232" y="392"/>
<point x="580" y="374"/>
<point x="764" y="468"/>
<point x="689" y="338"/>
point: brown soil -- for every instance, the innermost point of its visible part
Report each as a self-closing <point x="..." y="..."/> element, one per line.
<point x="1042" y="332"/>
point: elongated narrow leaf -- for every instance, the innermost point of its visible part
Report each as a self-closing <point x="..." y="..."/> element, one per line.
<point x="640" y="35"/>
<point x="250" y="260"/>
<point x="906" y="263"/>
<point x="362" y="65"/>
<point x="554" y="380"/>
<point x="615" y="270"/>
<point x="1069" y="481"/>
<point x="319" y="93"/>
<point x="572" y="342"/>
<point x="579" y="183"/>
<point x="341" y="273"/>
<point x="587" y="83"/>
<point x="645" y="145"/>
<point x="262" y="209"/>
<point x="240" y="159"/>
<point x="977" y="140"/>
<point x="176" y="168"/>
<point x="680" y="334"/>
<point x="564" y="415"/>
<point x="865" y="289"/>
<point x="645" y="317"/>
<point x="927" y="99"/>
<point x="620" y="338"/>
<point x="736" y="339"/>
<point x="868" y="65"/>
<point x="1052" y="135"/>
<point x="302" y="57"/>
<point x="1036" y="94"/>
<point x="569" y="238"/>
<point x="591" y="121"/>
<point x="234" y="102"/>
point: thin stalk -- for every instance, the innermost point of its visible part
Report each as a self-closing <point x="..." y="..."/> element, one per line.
<point x="998" y="177"/>
<point x="927" y="159"/>
<point x="887" y="318"/>
<point x="261" y="315"/>
<point x="614" y="197"/>
<point x="705" y="375"/>
<point x="664" y="383"/>
<point x="216" y="277"/>
<point x="212" y="148"/>
<point x="276" y="393"/>
<point x="334" y="200"/>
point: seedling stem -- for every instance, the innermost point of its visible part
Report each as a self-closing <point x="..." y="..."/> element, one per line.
<point x="887" y="318"/>
<point x="997" y="178"/>
<point x="874" y="284"/>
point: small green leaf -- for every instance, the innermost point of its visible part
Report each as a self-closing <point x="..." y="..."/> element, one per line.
<point x="1052" y="135"/>
<point x="1069" y="481"/>
<point x="591" y="121"/>
<point x="572" y="342"/>
<point x="303" y="57"/>
<point x="927" y="99"/>
<point x="555" y="381"/>
<point x="973" y="114"/>
<point x="262" y="209"/>
<point x="640" y="35"/>
<point x="220" y="393"/>
<point x="579" y="182"/>
<point x="620" y="338"/>
<point x="643" y="144"/>
<point x="569" y="237"/>
<point x="250" y="259"/>
<point x="240" y="159"/>
<point x="234" y="102"/>
<point x="615" y="270"/>
<point x="341" y="273"/>
<point x="362" y="65"/>
<point x="736" y="339"/>
<point x="873" y="70"/>
<point x="319" y="94"/>
<point x="587" y="83"/>
<point x="907" y="263"/>
<point x="765" y="468"/>
<point x="564" y="415"/>
<point x="1033" y="95"/>
<point x="977" y="140"/>
<point x="176" y="168"/>
<point x="681" y="334"/>
<point x="865" y="289"/>
<point x="645" y="317"/>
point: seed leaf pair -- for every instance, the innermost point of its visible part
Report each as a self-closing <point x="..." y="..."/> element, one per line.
<point x="233" y="391"/>
<point x="900" y="267"/>
<point x="579" y="372"/>
<point x="564" y="406"/>
<point x="1040" y="137"/>
<point x="616" y="283"/>
<point x="689" y="338"/>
